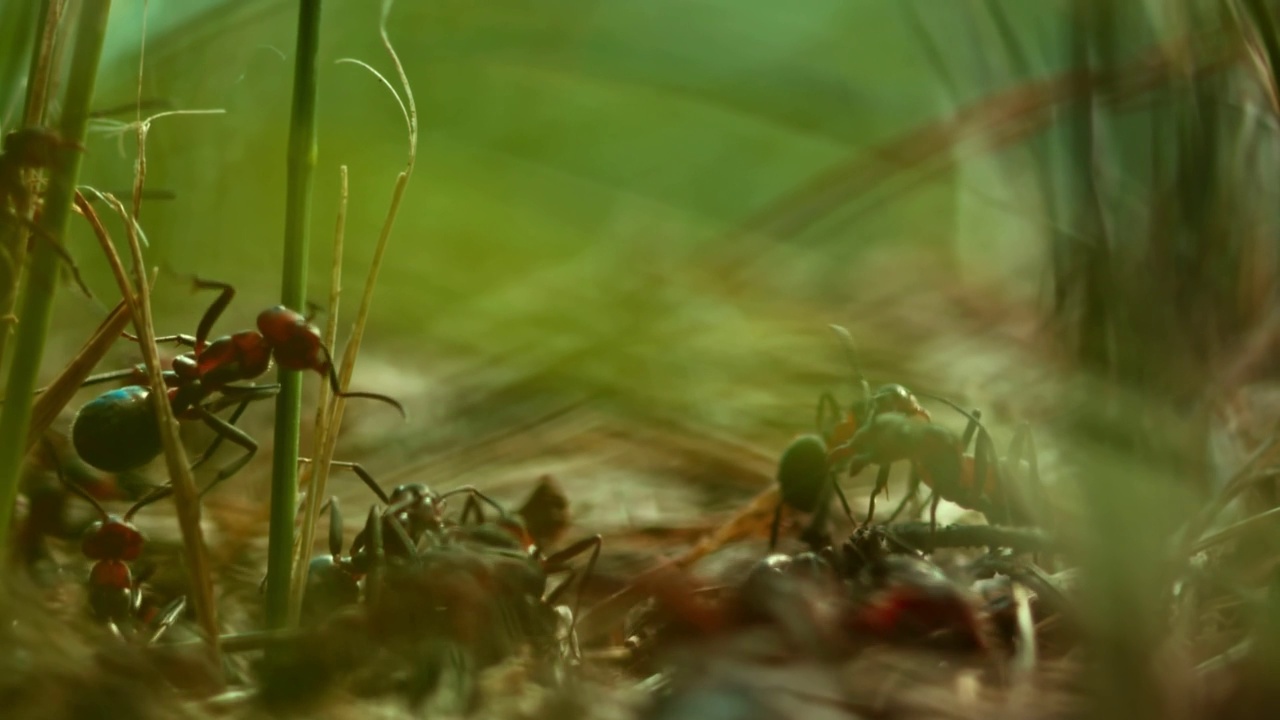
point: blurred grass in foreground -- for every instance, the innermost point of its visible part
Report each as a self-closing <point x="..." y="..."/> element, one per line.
<point x="666" y="202"/>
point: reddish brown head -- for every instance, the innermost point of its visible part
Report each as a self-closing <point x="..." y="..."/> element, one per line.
<point x="896" y="398"/>
<point x="296" y="342"/>
<point x="112" y="539"/>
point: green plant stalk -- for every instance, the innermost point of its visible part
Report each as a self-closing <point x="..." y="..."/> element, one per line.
<point x="302" y="162"/>
<point x="17" y="31"/>
<point x="14" y="236"/>
<point x="42" y="280"/>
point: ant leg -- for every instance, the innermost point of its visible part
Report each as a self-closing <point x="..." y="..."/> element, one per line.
<point x="211" y="315"/>
<point x="233" y="395"/>
<point x="235" y="435"/>
<point x="397" y="528"/>
<point x="335" y="527"/>
<point x="773" y="530"/>
<point x="364" y="476"/>
<point x="827" y="402"/>
<point x="970" y="428"/>
<point x="933" y="515"/>
<point x="377" y="556"/>
<point x="913" y="491"/>
<point x="217" y="442"/>
<point x="469" y="508"/>
<point x="882" y="482"/>
<point x="167" y="617"/>
<point x="556" y="563"/>
<point x="989" y="479"/>
<point x="128" y="373"/>
<point x="472" y="494"/>
<point x="184" y="340"/>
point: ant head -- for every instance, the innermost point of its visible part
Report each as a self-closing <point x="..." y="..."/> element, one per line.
<point x="112" y="538"/>
<point x="412" y="494"/>
<point x="897" y="398"/>
<point x="279" y="323"/>
<point x="417" y="507"/>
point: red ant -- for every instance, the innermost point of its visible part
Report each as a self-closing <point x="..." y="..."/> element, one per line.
<point x="117" y="431"/>
<point x="806" y="474"/>
<point x="939" y="458"/>
<point x="112" y="542"/>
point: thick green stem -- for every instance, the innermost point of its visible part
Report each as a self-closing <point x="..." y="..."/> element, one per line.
<point x="302" y="162"/>
<point x="42" y="280"/>
<point x="14" y="235"/>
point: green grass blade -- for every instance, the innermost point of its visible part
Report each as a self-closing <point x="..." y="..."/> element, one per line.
<point x="42" y="281"/>
<point x="302" y="162"/>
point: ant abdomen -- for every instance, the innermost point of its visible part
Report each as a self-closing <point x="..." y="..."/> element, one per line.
<point x="117" y="431"/>
<point x="802" y="473"/>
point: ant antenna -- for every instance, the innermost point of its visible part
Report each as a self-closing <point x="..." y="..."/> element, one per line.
<point x="972" y="416"/>
<point x="851" y="355"/>
<point x="337" y="390"/>
<point x="73" y="487"/>
<point x="156" y="495"/>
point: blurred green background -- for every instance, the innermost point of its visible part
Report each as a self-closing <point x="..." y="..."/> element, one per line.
<point x="632" y="200"/>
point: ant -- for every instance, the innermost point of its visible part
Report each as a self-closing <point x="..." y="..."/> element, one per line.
<point x="412" y="511"/>
<point x="118" y="431"/>
<point x="333" y="582"/>
<point x="940" y="460"/>
<point x="415" y="514"/>
<point x="112" y="542"/>
<point x="806" y="474"/>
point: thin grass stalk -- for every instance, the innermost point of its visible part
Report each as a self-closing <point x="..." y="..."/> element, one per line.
<point x="185" y="497"/>
<point x="337" y="405"/>
<point x="14" y="236"/>
<point x="42" y="280"/>
<point x="318" y="472"/>
<point x="409" y="108"/>
<point x="301" y="164"/>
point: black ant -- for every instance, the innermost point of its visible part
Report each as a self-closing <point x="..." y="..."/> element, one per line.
<point x="117" y="431"/>
<point x="415" y="514"/>
<point x="412" y="511"/>
<point x="333" y="582"/>
<point x="414" y="524"/>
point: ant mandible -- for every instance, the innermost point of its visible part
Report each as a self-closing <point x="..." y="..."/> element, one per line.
<point x="118" y="431"/>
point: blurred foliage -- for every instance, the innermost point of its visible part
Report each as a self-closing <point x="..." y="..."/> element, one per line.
<point x="580" y="164"/>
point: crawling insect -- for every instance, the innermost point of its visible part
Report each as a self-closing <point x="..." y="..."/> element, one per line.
<point x="118" y="430"/>
<point x="807" y="474"/>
